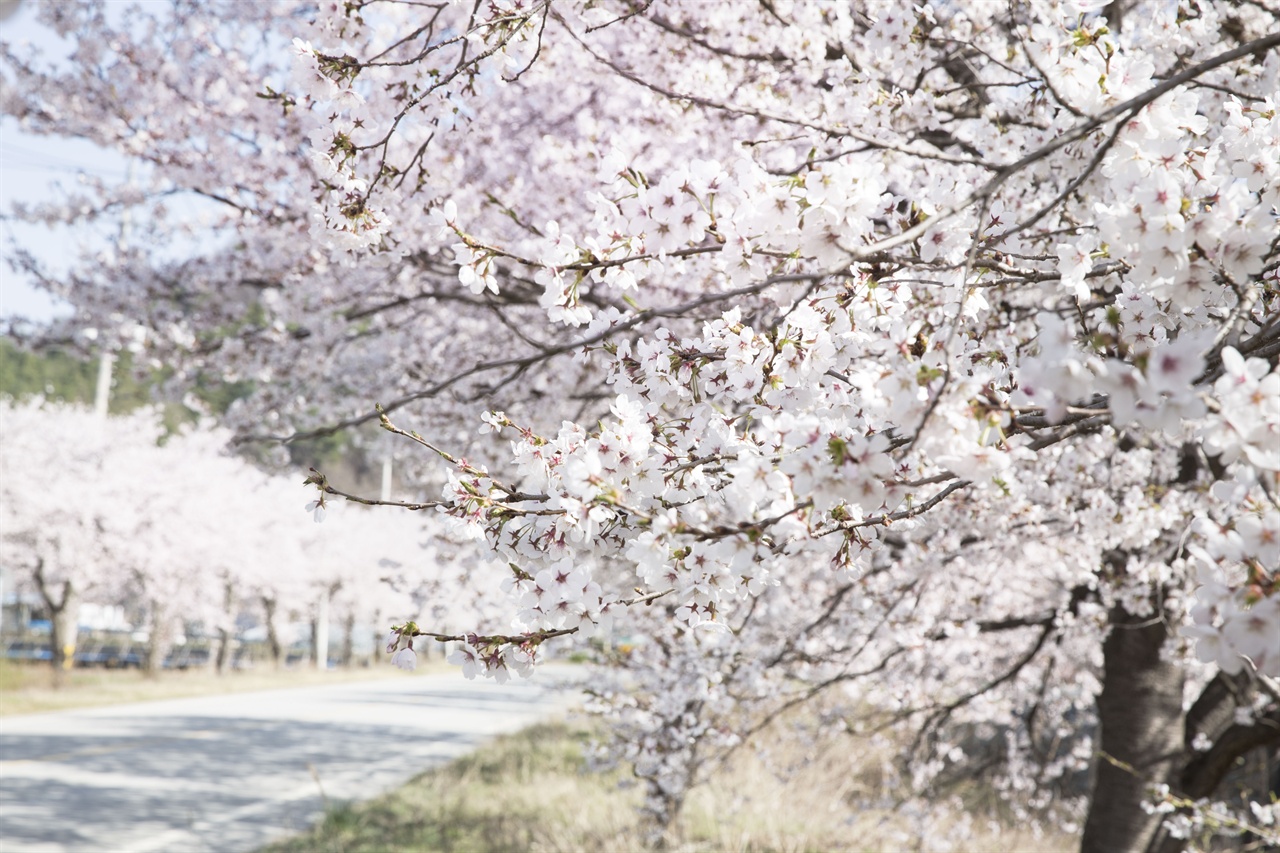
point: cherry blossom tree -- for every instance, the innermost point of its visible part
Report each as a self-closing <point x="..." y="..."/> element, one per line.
<point x="923" y="356"/>
<point x="114" y="511"/>
<point x="58" y="501"/>
<point x="98" y="510"/>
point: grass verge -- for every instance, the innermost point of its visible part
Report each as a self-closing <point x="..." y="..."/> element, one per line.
<point x="530" y="791"/>
<point x="524" y="791"/>
<point x="28" y="688"/>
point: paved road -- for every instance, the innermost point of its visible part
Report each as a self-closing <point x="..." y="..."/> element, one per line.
<point x="229" y="773"/>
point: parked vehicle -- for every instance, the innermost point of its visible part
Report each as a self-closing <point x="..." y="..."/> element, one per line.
<point x="187" y="657"/>
<point x="27" y="650"/>
<point x="109" y="655"/>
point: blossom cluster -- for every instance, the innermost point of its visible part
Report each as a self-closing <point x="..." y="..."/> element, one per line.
<point x="900" y="351"/>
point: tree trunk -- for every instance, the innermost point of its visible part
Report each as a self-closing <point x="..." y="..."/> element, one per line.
<point x="64" y="618"/>
<point x="157" y="642"/>
<point x="273" y="638"/>
<point x="379" y="639"/>
<point x="224" y="649"/>
<point x="348" y="640"/>
<point x="1141" y="720"/>
<point x="220" y="660"/>
<point x="1199" y="773"/>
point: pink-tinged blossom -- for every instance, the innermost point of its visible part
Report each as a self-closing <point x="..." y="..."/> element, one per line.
<point x="317" y="509"/>
<point x="1247" y="422"/>
<point x="1074" y="263"/>
<point x="839" y="332"/>
<point x="405" y="659"/>
<point x="465" y="656"/>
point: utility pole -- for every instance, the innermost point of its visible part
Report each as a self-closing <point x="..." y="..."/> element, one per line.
<point x="102" y="394"/>
<point x="322" y="630"/>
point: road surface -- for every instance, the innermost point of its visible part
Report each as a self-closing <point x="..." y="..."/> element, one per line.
<point x="227" y="774"/>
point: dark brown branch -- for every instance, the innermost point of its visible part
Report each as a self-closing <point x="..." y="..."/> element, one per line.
<point x="528" y="360"/>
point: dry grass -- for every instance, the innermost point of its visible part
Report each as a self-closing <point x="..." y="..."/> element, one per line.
<point x="827" y="792"/>
<point x="530" y="792"/>
<point x="526" y="791"/>
<point x="28" y="688"/>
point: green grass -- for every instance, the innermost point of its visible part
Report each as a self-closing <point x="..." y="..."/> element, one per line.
<point x="29" y="688"/>
<point x="526" y="791"/>
<point x="530" y="791"/>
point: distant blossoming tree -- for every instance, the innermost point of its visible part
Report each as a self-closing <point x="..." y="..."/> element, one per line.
<point x="113" y="511"/>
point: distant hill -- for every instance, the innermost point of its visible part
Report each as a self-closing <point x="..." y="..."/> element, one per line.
<point x="66" y="375"/>
<point x="59" y="374"/>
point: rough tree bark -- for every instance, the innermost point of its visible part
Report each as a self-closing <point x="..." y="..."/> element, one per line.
<point x="157" y="641"/>
<point x="63" y="601"/>
<point x="224" y="651"/>
<point x="1200" y="773"/>
<point x="348" y="640"/>
<point x="1140" y="716"/>
<point x="220" y="660"/>
<point x="273" y="638"/>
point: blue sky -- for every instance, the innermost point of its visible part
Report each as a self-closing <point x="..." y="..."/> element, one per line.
<point x="33" y="168"/>
<point x="39" y="168"/>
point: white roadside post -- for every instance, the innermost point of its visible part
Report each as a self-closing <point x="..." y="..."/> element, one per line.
<point x="322" y="630"/>
<point x="384" y="494"/>
<point x="102" y="394"/>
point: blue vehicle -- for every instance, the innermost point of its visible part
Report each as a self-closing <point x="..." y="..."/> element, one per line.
<point x="109" y="655"/>
<point x="28" y="650"/>
<point x="187" y="657"/>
